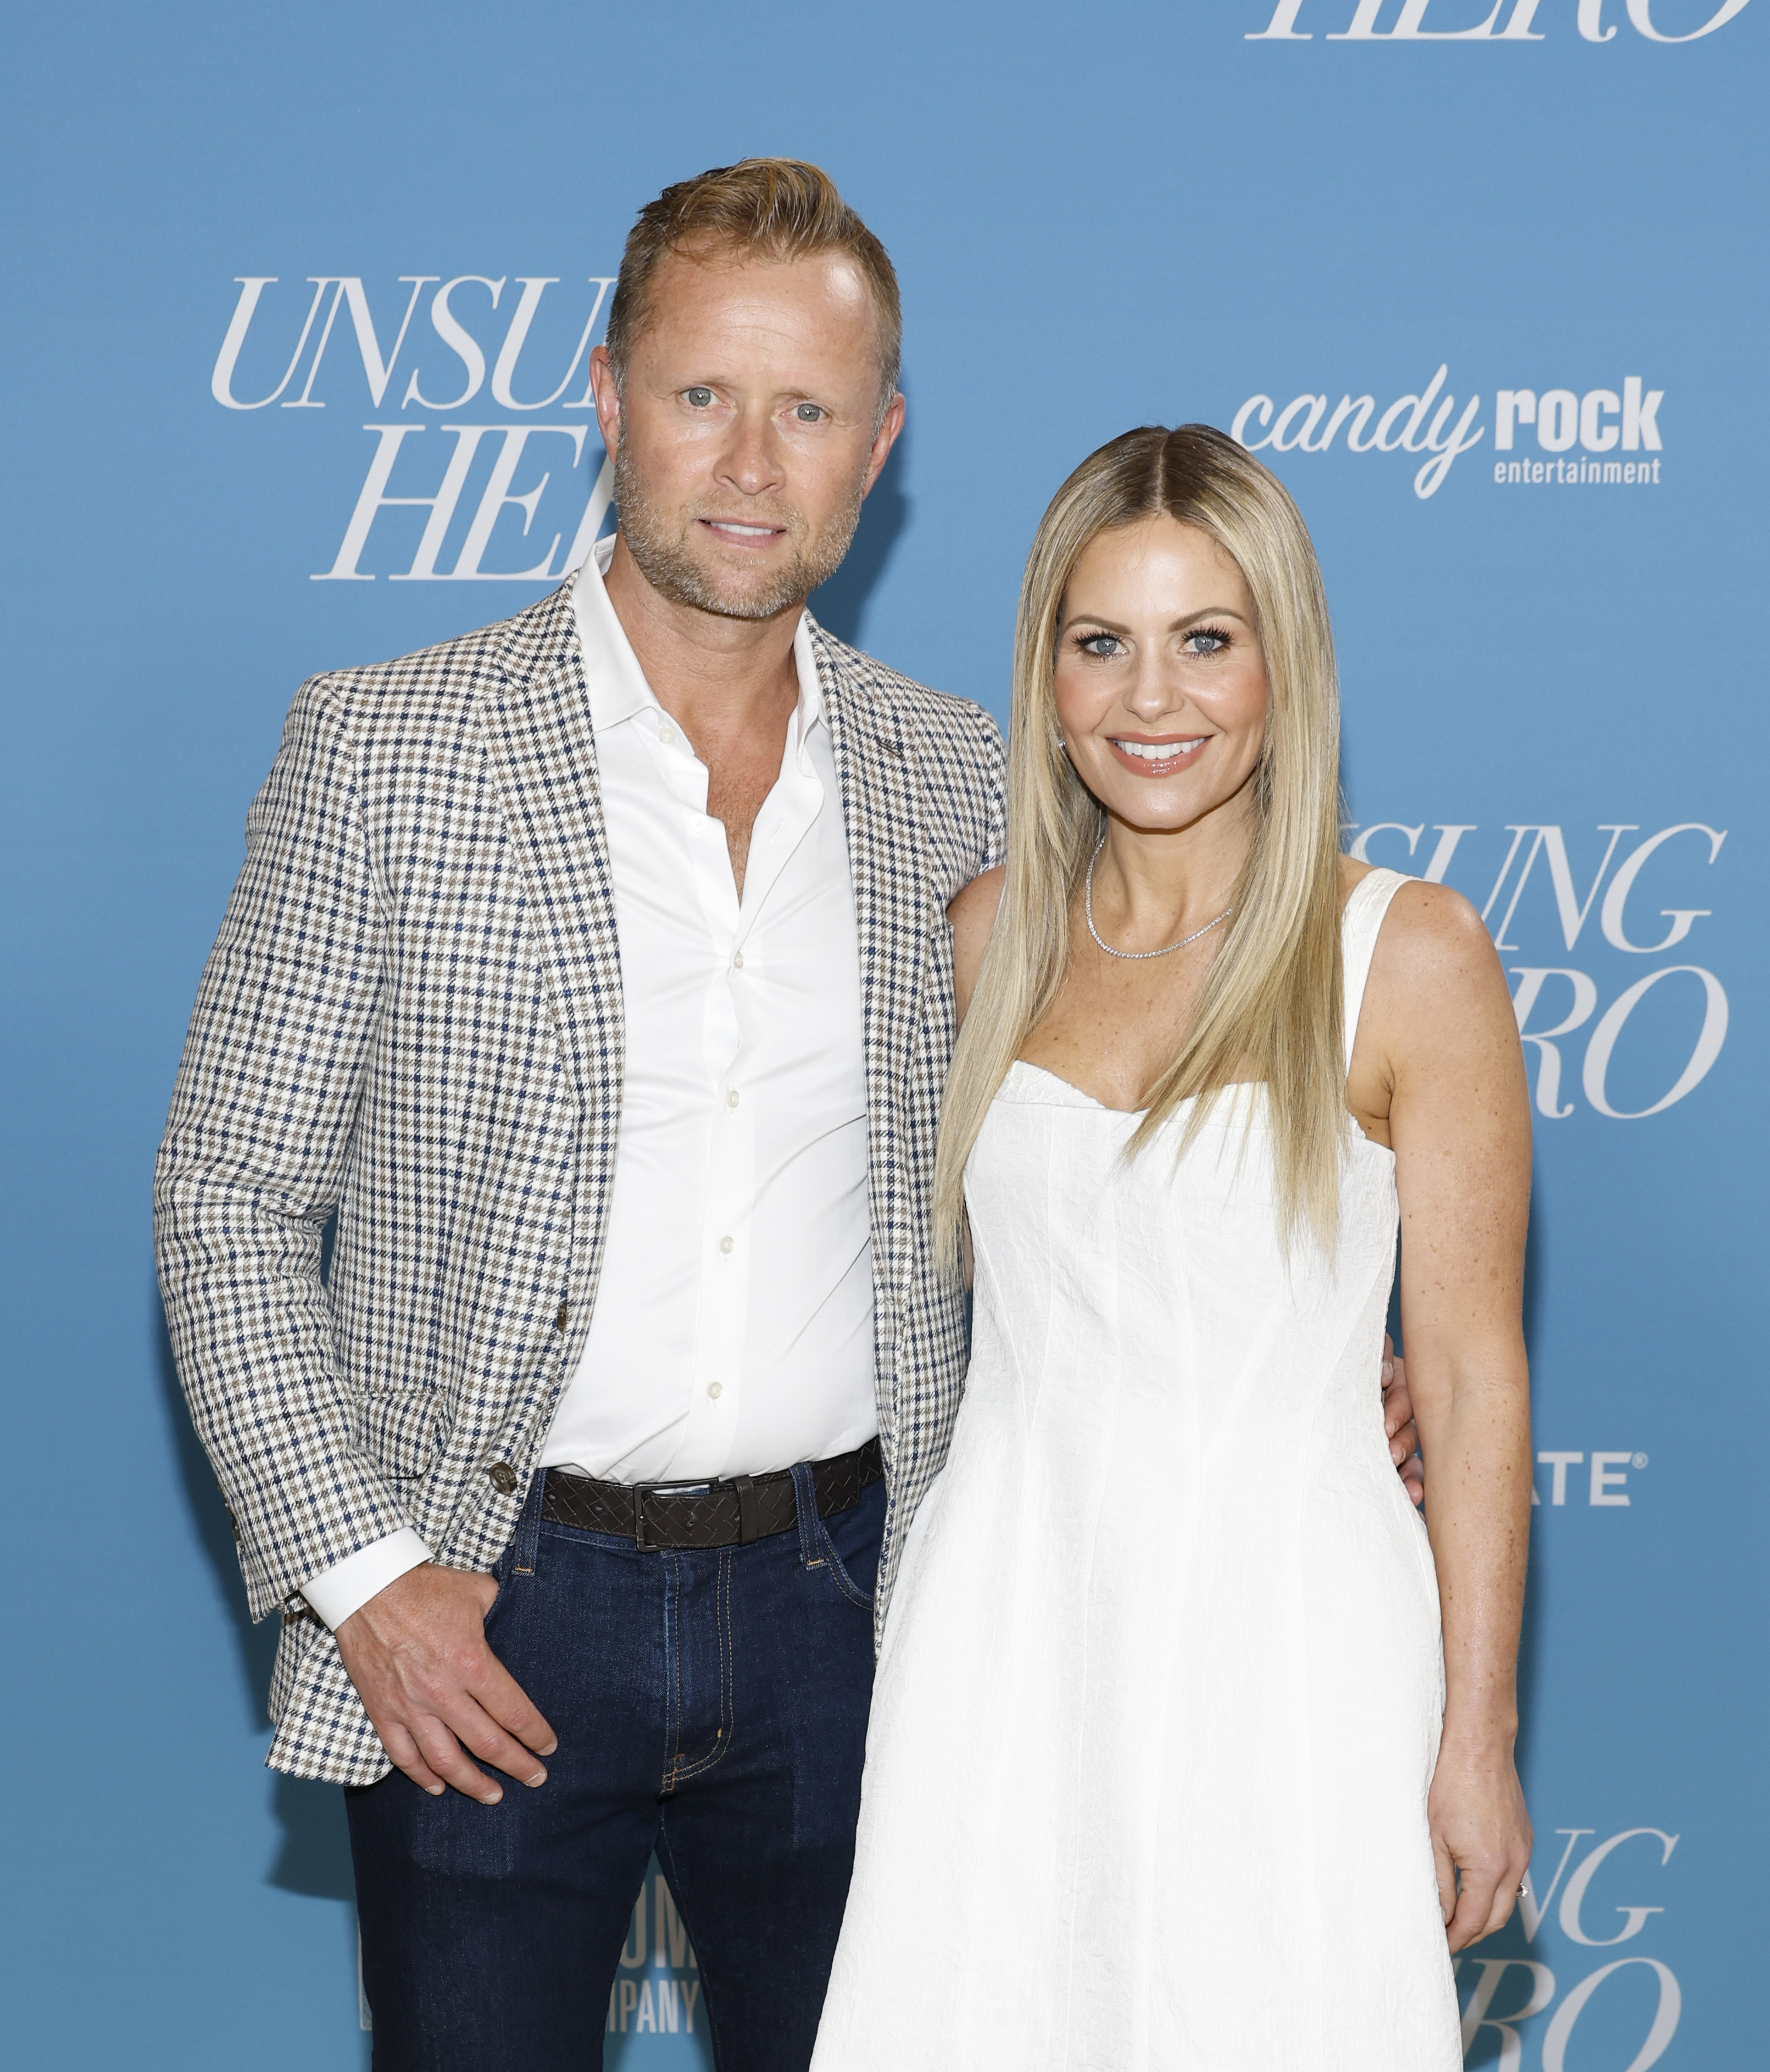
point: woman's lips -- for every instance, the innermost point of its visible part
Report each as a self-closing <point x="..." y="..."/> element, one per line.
<point x="1157" y="758"/>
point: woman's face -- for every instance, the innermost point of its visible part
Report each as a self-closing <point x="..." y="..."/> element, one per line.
<point x="1161" y="690"/>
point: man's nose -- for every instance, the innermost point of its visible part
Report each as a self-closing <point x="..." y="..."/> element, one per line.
<point x="752" y="461"/>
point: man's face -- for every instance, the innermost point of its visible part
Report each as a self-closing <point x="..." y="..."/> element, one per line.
<point x="747" y="431"/>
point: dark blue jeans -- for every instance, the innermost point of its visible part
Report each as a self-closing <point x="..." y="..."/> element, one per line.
<point x="710" y="1707"/>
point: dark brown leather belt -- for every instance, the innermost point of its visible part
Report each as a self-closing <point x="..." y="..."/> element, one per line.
<point x="675" y="1515"/>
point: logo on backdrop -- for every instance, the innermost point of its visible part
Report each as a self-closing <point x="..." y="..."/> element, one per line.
<point x="1596" y="439"/>
<point x="1624" y="1044"/>
<point x="479" y="473"/>
<point x="1504" y="1992"/>
<point x="659" y="1994"/>
<point x="1605" y="1487"/>
<point x="1510" y="21"/>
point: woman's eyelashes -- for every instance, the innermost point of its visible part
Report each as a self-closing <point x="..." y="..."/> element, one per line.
<point x="1200" y="641"/>
<point x="1216" y="639"/>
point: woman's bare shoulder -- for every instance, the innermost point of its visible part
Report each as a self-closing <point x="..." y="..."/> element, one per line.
<point x="1436" y="978"/>
<point x="1431" y="930"/>
<point x="1428" y="927"/>
<point x="974" y="905"/>
<point x="972" y="914"/>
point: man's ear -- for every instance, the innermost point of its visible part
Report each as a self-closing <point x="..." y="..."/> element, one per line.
<point x="884" y="439"/>
<point x="608" y="399"/>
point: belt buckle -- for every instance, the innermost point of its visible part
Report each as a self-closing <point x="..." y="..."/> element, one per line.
<point x="641" y="1491"/>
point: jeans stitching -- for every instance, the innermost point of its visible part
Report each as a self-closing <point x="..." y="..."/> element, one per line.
<point x="845" y="1582"/>
<point x="672" y="1645"/>
<point x="810" y="1526"/>
<point x="526" y="1546"/>
<point x="722" y="1741"/>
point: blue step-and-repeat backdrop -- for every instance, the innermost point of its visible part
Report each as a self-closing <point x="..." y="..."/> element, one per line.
<point x="295" y="378"/>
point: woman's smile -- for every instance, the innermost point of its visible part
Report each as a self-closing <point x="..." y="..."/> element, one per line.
<point x="1157" y="756"/>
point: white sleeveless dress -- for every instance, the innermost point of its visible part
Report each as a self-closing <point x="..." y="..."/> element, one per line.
<point x="1162" y="1681"/>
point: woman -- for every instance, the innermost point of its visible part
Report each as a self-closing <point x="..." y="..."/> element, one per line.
<point x="1162" y="1774"/>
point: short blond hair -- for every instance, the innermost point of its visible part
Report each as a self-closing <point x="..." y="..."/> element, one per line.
<point x="774" y="209"/>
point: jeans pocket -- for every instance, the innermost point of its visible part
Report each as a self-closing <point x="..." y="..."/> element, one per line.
<point x="502" y="1576"/>
<point x="838" y="1568"/>
<point x="817" y="1544"/>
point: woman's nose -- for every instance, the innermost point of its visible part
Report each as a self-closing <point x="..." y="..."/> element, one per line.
<point x="1153" y="696"/>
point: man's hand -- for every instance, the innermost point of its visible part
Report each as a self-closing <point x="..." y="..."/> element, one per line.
<point x="1398" y="1423"/>
<point x="434" y="1690"/>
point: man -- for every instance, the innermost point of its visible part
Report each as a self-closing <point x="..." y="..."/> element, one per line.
<point x="593" y="969"/>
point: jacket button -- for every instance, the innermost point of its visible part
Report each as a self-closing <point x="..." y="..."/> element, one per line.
<point x="502" y="1477"/>
<point x="559" y="1322"/>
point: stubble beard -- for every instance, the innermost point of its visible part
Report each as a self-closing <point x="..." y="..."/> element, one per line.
<point x="662" y="545"/>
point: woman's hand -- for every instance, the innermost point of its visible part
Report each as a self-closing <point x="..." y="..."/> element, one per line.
<point x="1480" y="1834"/>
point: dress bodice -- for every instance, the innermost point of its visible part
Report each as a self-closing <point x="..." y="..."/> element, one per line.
<point x="1169" y="1256"/>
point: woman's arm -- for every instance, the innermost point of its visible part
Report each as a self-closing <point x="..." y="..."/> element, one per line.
<point x="1440" y="1019"/>
<point x="972" y="914"/>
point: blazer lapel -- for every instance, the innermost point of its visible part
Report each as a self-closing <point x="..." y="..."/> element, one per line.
<point x="887" y="868"/>
<point x="536" y="715"/>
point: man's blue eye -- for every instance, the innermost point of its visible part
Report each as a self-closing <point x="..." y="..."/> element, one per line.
<point x="809" y="413"/>
<point x="700" y="397"/>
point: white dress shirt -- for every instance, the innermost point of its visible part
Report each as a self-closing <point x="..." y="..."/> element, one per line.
<point x="732" y="1330"/>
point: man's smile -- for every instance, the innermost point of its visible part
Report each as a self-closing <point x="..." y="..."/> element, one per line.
<point x="740" y="534"/>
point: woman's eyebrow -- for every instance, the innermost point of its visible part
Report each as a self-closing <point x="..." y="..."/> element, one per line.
<point x="1191" y="619"/>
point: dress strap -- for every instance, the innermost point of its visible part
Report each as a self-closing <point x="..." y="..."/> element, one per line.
<point x="1360" y="921"/>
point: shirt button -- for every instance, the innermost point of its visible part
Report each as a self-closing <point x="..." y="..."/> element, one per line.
<point x="737" y="961"/>
<point x="725" y="1244"/>
<point x="731" y="1099"/>
<point x="502" y="1476"/>
<point x="667" y="735"/>
<point x="715" y="1390"/>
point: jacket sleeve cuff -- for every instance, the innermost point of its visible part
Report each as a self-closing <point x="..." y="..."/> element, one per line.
<point x="349" y="1585"/>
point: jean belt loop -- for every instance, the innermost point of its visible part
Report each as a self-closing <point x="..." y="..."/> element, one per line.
<point x="528" y="1526"/>
<point x="811" y="1531"/>
<point x="748" y="1522"/>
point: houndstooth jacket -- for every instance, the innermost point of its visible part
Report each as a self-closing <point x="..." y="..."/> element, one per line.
<point x="412" y="1017"/>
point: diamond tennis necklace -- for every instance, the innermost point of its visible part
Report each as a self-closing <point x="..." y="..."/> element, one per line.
<point x="1135" y="956"/>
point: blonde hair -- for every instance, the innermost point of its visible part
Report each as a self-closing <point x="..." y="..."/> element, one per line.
<point x="763" y="208"/>
<point x="1270" y="1007"/>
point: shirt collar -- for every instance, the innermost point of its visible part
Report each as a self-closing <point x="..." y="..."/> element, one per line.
<point x="618" y="690"/>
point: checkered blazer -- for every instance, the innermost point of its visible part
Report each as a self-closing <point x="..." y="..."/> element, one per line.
<point x="412" y="1017"/>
